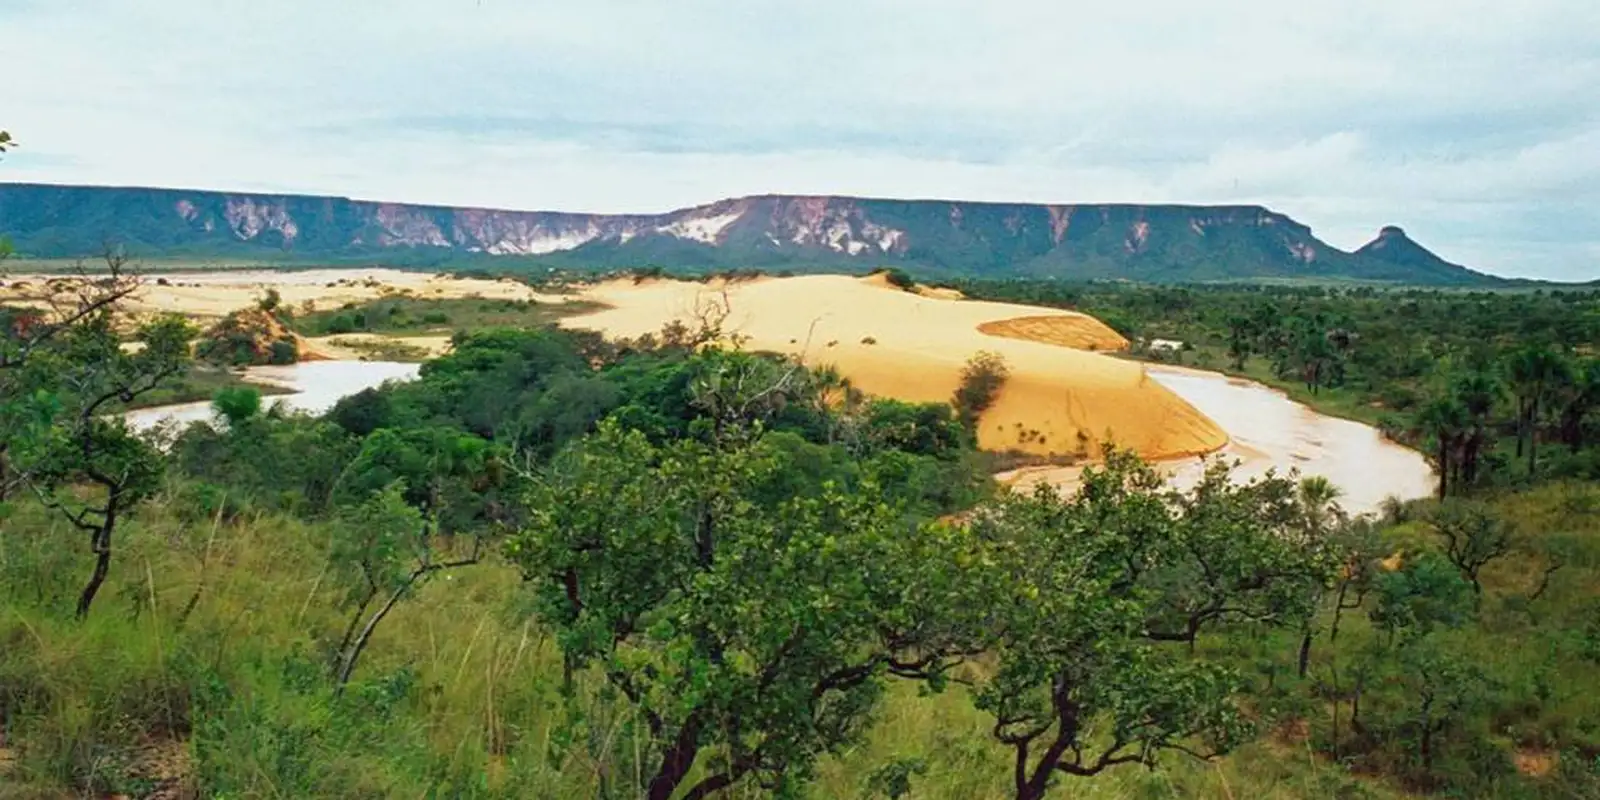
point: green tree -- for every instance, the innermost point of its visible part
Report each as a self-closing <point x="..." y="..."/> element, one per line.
<point x="237" y="404"/>
<point x="1089" y="590"/>
<point x="1445" y="421"/>
<point x="1241" y="335"/>
<point x="1473" y="537"/>
<point x="1533" y="373"/>
<point x="1444" y="687"/>
<point x="1426" y="594"/>
<point x="1577" y="399"/>
<point x="981" y="381"/>
<point x="1319" y="502"/>
<point x="386" y="549"/>
<point x="732" y="620"/>
<point x="1477" y="393"/>
<point x="73" y="388"/>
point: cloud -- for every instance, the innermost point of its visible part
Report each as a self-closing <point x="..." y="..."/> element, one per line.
<point x="1471" y="123"/>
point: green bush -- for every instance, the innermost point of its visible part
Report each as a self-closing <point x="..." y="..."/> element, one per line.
<point x="283" y="351"/>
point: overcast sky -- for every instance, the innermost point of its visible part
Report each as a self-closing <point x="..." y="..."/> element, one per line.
<point x="1474" y="125"/>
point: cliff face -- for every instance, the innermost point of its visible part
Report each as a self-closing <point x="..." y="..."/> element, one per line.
<point x="1171" y="243"/>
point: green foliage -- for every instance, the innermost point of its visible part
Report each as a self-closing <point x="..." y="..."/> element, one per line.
<point x="899" y="278"/>
<point x="727" y="572"/>
<point x="733" y="618"/>
<point x="59" y="434"/>
<point x="410" y="315"/>
<point x="238" y="404"/>
<point x="1473" y="536"/>
<point x="1426" y="594"/>
<point x="981" y="379"/>
<point x="1453" y="373"/>
<point x="1092" y="586"/>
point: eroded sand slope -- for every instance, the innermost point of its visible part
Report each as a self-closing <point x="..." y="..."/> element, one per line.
<point x="889" y="342"/>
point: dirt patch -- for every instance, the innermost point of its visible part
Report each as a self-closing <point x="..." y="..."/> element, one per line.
<point x="1535" y="763"/>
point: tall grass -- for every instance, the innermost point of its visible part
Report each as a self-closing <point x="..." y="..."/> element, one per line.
<point x="204" y="672"/>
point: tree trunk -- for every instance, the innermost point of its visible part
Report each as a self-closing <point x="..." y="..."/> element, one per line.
<point x="360" y="643"/>
<point x="677" y="761"/>
<point x="1533" y="440"/>
<point x="102" y="565"/>
<point x="1522" y="425"/>
<point x="1305" y="651"/>
<point x="1427" y="733"/>
<point x="355" y="619"/>
<point x="1444" y="470"/>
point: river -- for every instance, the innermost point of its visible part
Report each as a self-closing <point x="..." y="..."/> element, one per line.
<point x="315" y="387"/>
<point x="1269" y="431"/>
<point x="1266" y="428"/>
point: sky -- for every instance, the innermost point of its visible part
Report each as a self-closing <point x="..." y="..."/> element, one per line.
<point x="1473" y="125"/>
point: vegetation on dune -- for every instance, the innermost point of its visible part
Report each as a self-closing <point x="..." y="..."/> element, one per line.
<point x="251" y="337"/>
<point x="412" y="315"/>
<point x="560" y="566"/>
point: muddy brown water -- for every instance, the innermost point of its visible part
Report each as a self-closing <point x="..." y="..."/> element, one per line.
<point x="1268" y="431"/>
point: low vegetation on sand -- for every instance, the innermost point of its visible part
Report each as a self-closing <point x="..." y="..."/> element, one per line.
<point x="251" y="337"/>
<point x="410" y="315"/>
<point x="561" y="566"/>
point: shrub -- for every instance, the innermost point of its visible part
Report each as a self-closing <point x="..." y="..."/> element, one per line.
<point x="283" y="351"/>
<point x="899" y="277"/>
<point x="341" y="323"/>
<point x="980" y="385"/>
<point x="237" y="404"/>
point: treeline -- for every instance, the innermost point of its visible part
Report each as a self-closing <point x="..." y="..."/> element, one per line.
<point x="739" y="564"/>
<point x="1484" y="382"/>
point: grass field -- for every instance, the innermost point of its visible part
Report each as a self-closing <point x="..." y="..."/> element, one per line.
<point x="204" y="670"/>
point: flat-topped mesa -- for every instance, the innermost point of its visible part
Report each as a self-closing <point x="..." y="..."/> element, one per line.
<point x="815" y="233"/>
<point x="1057" y="400"/>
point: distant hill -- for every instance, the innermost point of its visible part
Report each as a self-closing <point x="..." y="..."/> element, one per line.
<point x="1157" y="243"/>
<point x="1393" y="246"/>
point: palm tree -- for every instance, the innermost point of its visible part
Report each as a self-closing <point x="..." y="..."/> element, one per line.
<point x="1319" y="499"/>
<point x="1477" y="392"/>
<point x="1319" y="502"/>
<point x="1532" y="372"/>
<point x="1446" y="421"/>
<point x="1577" y="399"/>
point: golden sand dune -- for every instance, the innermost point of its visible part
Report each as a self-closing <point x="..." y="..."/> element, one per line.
<point x="1057" y="401"/>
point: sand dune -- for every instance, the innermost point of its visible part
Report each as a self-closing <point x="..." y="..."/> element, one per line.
<point x="1058" y="400"/>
